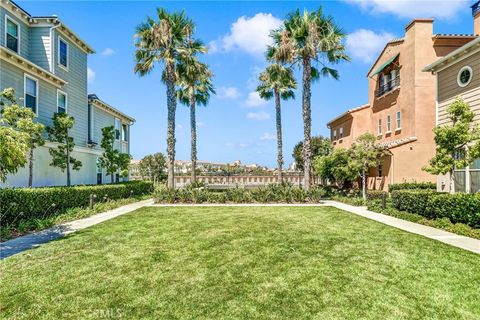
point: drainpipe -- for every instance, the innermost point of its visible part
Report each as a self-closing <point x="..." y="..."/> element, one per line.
<point x="52" y="46"/>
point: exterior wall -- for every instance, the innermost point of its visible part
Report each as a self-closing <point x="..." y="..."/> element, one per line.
<point x="40" y="47"/>
<point x="449" y="90"/>
<point x="24" y="47"/>
<point x="354" y="124"/>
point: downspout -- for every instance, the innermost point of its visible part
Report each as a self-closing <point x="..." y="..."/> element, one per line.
<point x="52" y="44"/>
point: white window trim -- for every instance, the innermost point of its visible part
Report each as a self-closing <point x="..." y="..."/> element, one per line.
<point x="398" y="118"/>
<point x="463" y="85"/>
<point x="25" y="76"/>
<point x="18" y="30"/>
<point x="334" y="135"/>
<point x="389" y="124"/>
<point x="58" y="53"/>
<point x="115" y="121"/>
<point x="340" y="132"/>
<point x="66" y="99"/>
<point x="379" y="122"/>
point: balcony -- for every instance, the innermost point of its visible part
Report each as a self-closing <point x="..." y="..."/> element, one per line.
<point x="388" y="86"/>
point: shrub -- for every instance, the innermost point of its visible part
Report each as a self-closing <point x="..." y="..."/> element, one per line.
<point x="18" y="204"/>
<point x="376" y="194"/>
<point x="458" y="208"/>
<point x="412" y="185"/>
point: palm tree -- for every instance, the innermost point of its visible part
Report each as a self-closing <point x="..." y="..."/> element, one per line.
<point x="303" y="39"/>
<point x="195" y="87"/>
<point x="158" y="41"/>
<point x="277" y="81"/>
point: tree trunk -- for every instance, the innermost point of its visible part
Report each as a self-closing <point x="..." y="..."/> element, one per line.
<point x="452" y="182"/>
<point x="68" y="165"/>
<point x="171" y="106"/>
<point x="307" y="122"/>
<point x="111" y="178"/>
<point x="279" y="136"/>
<point x="364" y="186"/>
<point x="30" y="169"/>
<point x="193" y="133"/>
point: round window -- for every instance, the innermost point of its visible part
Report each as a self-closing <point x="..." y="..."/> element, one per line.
<point x="464" y="76"/>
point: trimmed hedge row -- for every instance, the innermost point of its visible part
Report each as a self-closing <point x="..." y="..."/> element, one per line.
<point x="30" y="203"/>
<point x="412" y="185"/>
<point x="459" y="207"/>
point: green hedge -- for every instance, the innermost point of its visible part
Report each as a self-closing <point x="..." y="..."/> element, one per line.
<point x="29" y="203"/>
<point x="460" y="207"/>
<point x="412" y="185"/>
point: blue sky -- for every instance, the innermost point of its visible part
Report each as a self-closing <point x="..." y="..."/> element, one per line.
<point x="236" y="125"/>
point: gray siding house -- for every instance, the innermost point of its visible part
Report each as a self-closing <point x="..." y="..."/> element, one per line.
<point x="46" y="63"/>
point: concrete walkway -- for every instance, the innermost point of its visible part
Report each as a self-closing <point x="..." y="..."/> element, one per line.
<point x="33" y="240"/>
<point x="452" y="239"/>
<point x="17" y="245"/>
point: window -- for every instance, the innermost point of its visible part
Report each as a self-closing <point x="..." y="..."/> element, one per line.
<point x="334" y="134"/>
<point x="474" y="170"/>
<point x="389" y="124"/>
<point x="399" y="123"/>
<point x="12" y="36"/>
<point x="61" y="102"/>
<point x="124" y="132"/>
<point x="90" y="123"/>
<point x="117" y="129"/>
<point x="31" y="93"/>
<point x="464" y="76"/>
<point x="379" y="126"/>
<point x="99" y="172"/>
<point x="380" y="170"/>
<point x="341" y="132"/>
<point x="62" y="53"/>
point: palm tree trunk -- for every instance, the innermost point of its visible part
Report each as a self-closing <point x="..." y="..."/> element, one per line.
<point x="278" y="119"/>
<point x="307" y="122"/>
<point x="30" y="169"/>
<point x="193" y="132"/>
<point x="171" y="105"/>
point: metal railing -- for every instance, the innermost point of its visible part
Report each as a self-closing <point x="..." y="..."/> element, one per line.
<point x="388" y="86"/>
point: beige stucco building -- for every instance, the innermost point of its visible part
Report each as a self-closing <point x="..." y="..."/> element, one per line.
<point x="401" y="104"/>
<point x="458" y="75"/>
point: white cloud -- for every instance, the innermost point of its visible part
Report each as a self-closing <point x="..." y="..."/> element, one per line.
<point x="243" y="145"/>
<point x="443" y="9"/>
<point x="229" y="145"/>
<point x="179" y="127"/>
<point x="249" y="34"/>
<point x="90" y="75"/>
<point x="267" y="136"/>
<point x="365" y="44"/>
<point x="254" y="100"/>
<point x="228" y="93"/>
<point x="258" y="116"/>
<point x="108" y="52"/>
<point x="200" y="124"/>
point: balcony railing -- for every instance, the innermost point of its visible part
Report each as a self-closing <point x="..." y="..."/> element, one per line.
<point x="388" y="86"/>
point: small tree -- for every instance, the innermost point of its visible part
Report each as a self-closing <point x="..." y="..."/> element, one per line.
<point x="336" y="167"/>
<point x="14" y="143"/>
<point x="458" y="144"/>
<point x="62" y="154"/>
<point x="112" y="160"/>
<point x="154" y="166"/>
<point x="23" y="120"/>
<point x="320" y="146"/>
<point x="365" y="153"/>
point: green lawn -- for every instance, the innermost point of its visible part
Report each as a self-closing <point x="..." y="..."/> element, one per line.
<point x="241" y="263"/>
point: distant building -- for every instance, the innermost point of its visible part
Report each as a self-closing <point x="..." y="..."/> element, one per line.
<point x="458" y="75"/>
<point x="401" y="106"/>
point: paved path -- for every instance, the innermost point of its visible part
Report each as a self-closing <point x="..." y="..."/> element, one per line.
<point x="452" y="239"/>
<point x="33" y="240"/>
<point x="17" y="245"/>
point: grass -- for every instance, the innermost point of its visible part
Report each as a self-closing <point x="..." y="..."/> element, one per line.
<point x="32" y="225"/>
<point x="241" y="263"/>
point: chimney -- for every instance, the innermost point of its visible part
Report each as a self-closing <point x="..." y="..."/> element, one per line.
<point x="476" y="18"/>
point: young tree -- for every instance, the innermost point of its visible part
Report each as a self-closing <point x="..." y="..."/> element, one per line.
<point x="112" y="160"/>
<point x="458" y="143"/>
<point x="366" y="153"/>
<point x="195" y="87"/>
<point x="279" y="82"/>
<point x="62" y="154"/>
<point x="159" y="41"/>
<point x="320" y="146"/>
<point x="336" y="167"/>
<point x="153" y="166"/>
<point x="21" y="134"/>
<point x="304" y="39"/>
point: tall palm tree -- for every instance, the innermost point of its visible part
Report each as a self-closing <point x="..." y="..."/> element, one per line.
<point x="159" y="41"/>
<point x="304" y="39"/>
<point x="277" y="81"/>
<point x="195" y="87"/>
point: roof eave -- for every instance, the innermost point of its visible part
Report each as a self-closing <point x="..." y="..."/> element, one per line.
<point x="452" y="55"/>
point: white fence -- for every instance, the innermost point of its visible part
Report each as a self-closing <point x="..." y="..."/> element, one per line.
<point x="240" y="181"/>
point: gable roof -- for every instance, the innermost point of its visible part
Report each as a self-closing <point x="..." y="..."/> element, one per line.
<point x="454" y="55"/>
<point x="93" y="98"/>
<point x="348" y="112"/>
<point x="389" y="43"/>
